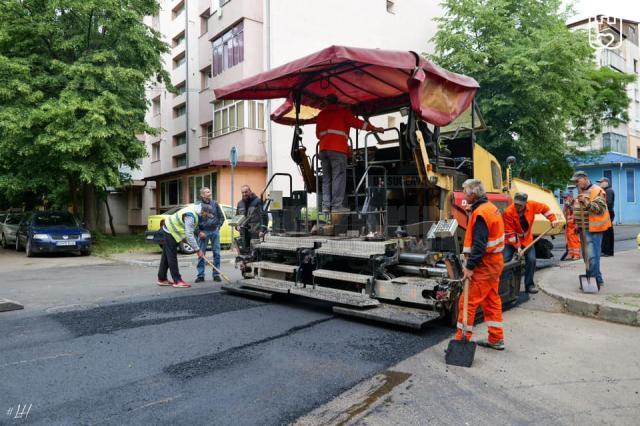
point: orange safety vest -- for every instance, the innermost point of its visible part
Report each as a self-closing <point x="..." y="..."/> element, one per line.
<point x="598" y="222"/>
<point x="490" y="266"/>
<point x="513" y="230"/>
<point x="332" y="128"/>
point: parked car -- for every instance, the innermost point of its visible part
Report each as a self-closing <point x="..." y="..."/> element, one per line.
<point x="155" y="222"/>
<point x="638" y="240"/>
<point x="9" y="227"/>
<point x="54" y="231"/>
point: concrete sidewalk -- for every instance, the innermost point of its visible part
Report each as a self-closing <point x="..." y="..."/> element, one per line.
<point x="617" y="301"/>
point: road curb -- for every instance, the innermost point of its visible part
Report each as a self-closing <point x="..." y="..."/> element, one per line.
<point x="9" y="305"/>
<point x="606" y="311"/>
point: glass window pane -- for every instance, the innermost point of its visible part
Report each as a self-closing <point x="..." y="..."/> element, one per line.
<point x="163" y="188"/>
<point x="214" y="185"/>
<point x="225" y="120"/>
<point x="217" y="122"/>
<point x="260" y="116"/>
<point x="240" y="107"/>
<point x="232" y="118"/>
<point x="207" y="181"/>
<point x="631" y="186"/>
<point x="191" y="189"/>
<point x="252" y="114"/>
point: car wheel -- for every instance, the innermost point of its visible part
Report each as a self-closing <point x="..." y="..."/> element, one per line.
<point x="85" y="252"/>
<point x="186" y="248"/>
<point x="18" y="246"/>
<point x="3" y="241"/>
<point x="28" y="248"/>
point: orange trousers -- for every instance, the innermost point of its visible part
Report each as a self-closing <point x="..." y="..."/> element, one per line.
<point x="484" y="294"/>
<point x="573" y="241"/>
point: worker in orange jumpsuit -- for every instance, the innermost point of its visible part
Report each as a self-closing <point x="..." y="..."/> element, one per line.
<point x="518" y="229"/>
<point x="483" y="246"/>
<point x="571" y="233"/>
<point x="332" y="129"/>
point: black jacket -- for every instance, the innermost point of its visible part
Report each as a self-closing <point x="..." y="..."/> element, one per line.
<point x="253" y="209"/>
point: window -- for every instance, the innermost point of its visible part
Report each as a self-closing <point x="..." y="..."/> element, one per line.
<point x="209" y="180"/>
<point x="228" y="49"/>
<point x="171" y="193"/>
<point x="204" y="22"/>
<point x="136" y="199"/>
<point x="256" y="115"/>
<point x="496" y="176"/>
<point x="181" y="88"/>
<point x="180" y="139"/>
<point x="638" y="152"/>
<point x="179" y="60"/>
<point x="155" y="106"/>
<point x="205" y="77"/>
<point x="608" y="175"/>
<point x="180" y="160"/>
<point x="631" y="186"/>
<point x="206" y="132"/>
<point x="155" y="151"/>
<point x="635" y="66"/>
<point x="178" y="40"/>
<point x="228" y="116"/>
<point x="179" y="110"/>
<point x="614" y="142"/>
<point x="177" y="11"/>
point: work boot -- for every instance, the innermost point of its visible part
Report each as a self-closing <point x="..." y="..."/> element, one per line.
<point x="498" y="346"/>
<point x="199" y="279"/>
<point x="532" y="289"/>
<point x="164" y="282"/>
<point x="181" y="284"/>
<point x="217" y="278"/>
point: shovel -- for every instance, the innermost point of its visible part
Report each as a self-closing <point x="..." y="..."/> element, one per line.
<point x="462" y="352"/>
<point x="588" y="283"/>
<point x="224" y="277"/>
<point x="524" y="250"/>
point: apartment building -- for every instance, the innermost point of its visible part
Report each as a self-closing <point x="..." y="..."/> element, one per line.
<point x="623" y="55"/>
<point x="217" y="42"/>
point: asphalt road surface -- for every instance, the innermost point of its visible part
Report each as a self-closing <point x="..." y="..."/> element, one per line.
<point x="204" y="358"/>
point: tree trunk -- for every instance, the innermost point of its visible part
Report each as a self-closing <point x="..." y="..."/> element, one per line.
<point x="106" y="203"/>
<point x="90" y="209"/>
<point x="73" y="193"/>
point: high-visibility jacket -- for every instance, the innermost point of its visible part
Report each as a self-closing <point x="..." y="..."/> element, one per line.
<point x="513" y="231"/>
<point x="490" y="266"/>
<point x="332" y="128"/>
<point x="175" y="222"/>
<point x="597" y="222"/>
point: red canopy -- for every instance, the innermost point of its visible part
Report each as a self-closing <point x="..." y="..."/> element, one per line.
<point x="370" y="81"/>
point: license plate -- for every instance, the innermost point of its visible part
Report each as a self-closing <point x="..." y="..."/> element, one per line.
<point x="66" y="243"/>
<point x="149" y="237"/>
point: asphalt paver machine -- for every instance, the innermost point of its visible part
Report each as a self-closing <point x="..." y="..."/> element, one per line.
<point x="395" y="256"/>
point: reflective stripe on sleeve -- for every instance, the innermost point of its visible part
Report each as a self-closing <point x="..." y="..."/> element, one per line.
<point x="495" y="242"/>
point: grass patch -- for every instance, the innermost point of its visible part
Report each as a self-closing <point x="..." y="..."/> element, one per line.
<point x="106" y="245"/>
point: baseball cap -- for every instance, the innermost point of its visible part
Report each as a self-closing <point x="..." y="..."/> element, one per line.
<point x="520" y="198"/>
<point x="603" y="179"/>
<point x="577" y="175"/>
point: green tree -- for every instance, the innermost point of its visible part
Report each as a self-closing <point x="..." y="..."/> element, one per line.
<point x="539" y="85"/>
<point x="73" y="75"/>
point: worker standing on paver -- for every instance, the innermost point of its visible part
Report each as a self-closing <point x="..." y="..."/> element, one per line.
<point x="518" y="229"/>
<point x="332" y="130"/>
<point x="483" y="246"/>
<point x="180" y="226"/>
<point x="591" y="216"/>
<point x="256" y="219"/>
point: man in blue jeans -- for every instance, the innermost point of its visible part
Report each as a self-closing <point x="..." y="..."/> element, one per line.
<point x="209" y="231"/>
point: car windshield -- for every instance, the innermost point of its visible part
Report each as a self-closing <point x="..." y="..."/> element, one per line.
<point x="54" y="219"/>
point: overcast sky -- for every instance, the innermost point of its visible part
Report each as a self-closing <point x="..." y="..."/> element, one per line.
<point x="626" y="9"/>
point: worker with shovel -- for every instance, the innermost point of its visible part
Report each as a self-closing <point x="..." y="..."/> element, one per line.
<point x="180" y="226"/>
<point x="483" y="246"/>
<point x="592" y="218"/>
<point x="518" y="228"/>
